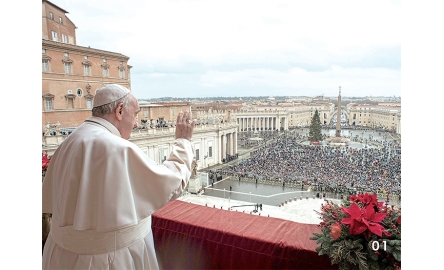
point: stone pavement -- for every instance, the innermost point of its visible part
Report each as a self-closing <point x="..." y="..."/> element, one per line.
<point x="301" y="211"/>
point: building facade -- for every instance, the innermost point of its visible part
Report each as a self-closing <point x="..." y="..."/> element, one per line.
<point x="383" y="115"/>
<point x="162" y="114"/>
<point x="212" y="144"/>
<point x="71" y="74"/>
<point x="283" y="116"/>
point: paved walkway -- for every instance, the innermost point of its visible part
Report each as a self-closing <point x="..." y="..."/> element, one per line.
<point x="302" y="211"/>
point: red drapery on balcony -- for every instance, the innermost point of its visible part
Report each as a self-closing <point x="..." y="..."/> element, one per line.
<point x="190" y="236"/>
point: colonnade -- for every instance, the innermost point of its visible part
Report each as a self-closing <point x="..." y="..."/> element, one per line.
<point x="247" y="123"/>
<point x="228" y="142"/>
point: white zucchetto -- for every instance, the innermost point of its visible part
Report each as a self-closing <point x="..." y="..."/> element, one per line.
<point x="109" y="93"/>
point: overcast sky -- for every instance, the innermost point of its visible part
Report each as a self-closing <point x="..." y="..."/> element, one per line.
<point x="199" y="48"/>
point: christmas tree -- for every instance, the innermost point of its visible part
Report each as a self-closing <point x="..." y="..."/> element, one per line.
<point x="315" y="134"/>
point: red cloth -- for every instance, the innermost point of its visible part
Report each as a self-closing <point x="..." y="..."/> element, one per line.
<point x="190" y="236"/>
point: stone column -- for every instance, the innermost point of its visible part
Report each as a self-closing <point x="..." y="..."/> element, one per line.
<point x="228" y="143"/>
<point x="217" y="149"/>
<point x="232" y="142"/>
<point x="224" y="146"/>
<point x="235" y="143"/>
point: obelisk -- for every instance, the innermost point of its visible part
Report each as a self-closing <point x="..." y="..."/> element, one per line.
<point x="338" y="123"/>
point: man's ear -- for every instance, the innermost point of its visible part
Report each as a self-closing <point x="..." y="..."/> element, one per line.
<point x="119" y="110"/>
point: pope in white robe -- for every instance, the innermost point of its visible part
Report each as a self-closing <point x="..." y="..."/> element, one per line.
<point x="102" y="190"/>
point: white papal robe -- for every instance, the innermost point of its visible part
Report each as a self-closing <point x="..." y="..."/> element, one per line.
<point x="101" y="190"/>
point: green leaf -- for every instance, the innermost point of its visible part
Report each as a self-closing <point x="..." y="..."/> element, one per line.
<point x="373" y="265"/>
<point x="397" y="255"/>
<point x="373" y="255"/>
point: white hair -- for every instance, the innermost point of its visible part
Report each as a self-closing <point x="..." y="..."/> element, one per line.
<point x="106" y="109"/>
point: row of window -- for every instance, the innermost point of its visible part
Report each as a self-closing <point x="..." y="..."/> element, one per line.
<point x="70" y="99"/>
<point x="55" y="37"/>
<point x="70" y="103"/>
<point x="210" y="153"/>
<point x="86" y="69"/>
<point x="51" y="17"/>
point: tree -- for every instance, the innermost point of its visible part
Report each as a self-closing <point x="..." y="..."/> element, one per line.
<point x="315" y="134"/>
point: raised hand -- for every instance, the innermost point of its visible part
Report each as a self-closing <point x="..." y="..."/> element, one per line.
<point x="184" y="125"/>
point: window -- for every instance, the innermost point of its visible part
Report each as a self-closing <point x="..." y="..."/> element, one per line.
<point x="66" y="54"/>
<point x="85" y="57"/>
<point x="70" y="104"/>
<point x="54" y="36"/>
<point x="67" y="68"/>
<point x="121" y="70"/>
<point x="172" y="112"/>
<point x="86" y="70"/>
<point x="45" y="65"/>
<point x="197" y="154"/>
<point x="105" y="72"/>
<point x="79" y="92"/>
<point x="60" y="20"/>
<point x="64" y="39"/>
<point x="210" y="151"/>
<point x="43" y="50"/>
<point x="48" y="104"/>
<point x="51" y="16"/>
<point x="105" y="67"/>
<point x="88" y="103"/>
<point x="145" y="113"/>
<point x="104" y="60"/>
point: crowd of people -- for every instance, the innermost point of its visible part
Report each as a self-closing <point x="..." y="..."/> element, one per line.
<point x="245" y="138"/>
<point x="355" y="127"/>
<point x="334" y="169"/>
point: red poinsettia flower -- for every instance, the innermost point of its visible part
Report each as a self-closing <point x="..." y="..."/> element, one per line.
<point x="45" y="161"/>
<point x="368" y="199"/>
<point x="363" y="219"/>
<point x="398" y="221"/>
